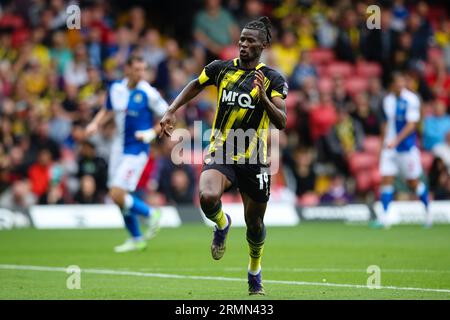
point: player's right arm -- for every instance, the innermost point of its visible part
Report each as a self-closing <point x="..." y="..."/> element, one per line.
<point x="206" y="78"/>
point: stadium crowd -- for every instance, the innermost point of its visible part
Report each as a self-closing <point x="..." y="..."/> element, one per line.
<point x="52" y="81"/>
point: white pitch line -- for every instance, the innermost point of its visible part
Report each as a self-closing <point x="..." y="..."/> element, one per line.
<point x="178" y="276"/>
<point x="298" y="270"/>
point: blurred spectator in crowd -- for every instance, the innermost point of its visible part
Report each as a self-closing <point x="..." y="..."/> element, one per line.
<point x="40" y="139"/>
<point x="215" y="28"/>
<point x="303" y="69"/>
<point x="88" y="192"/>
<point x="103" y="139"/>
<point x="137" y="21"/>
<point x="60" y="53"/>
<point x="39" y="173"/>
<point x="341" y="98"/>
<point x="122" y="47"/>
<point x="95" y="48"/>
<point x="439" y="180"/>
<point x="348" y="40"/>
<point x="286" y="53"/>
<point x="365" y="116"/>
<point x="439" y="81"/>
<point x="175" y="181"/>
<point x="399" y="15"/>
<point x="75" y="73"/>
<point x="305" y="33"/>
<point x="302" y="168"/>
<point x="326" y="29"/>
<point x="376" y="94"/>
<point x="380" y="44"/>
<point x="337" y="193"/>
<point x="442" y="150"/>
<point x="345" y="137"/>
<point x="18" y="198"/>
<point x="322" y="116"/>
<point x="421" y="31"/>
<point x="93" y="92"/>
<point x="402" y="55"/>
<point x="89" y="164"/>
<point x="181" y="186"/>
<point x="436" y="126"/>
<point x="60" y="124"/>
<point x="253" y="9"/>
<point x="152" y="50"/>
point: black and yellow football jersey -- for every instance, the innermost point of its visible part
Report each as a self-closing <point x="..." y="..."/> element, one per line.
<point x="239" y="115"/>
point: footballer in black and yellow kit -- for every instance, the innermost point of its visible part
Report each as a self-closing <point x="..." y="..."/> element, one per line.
<point x="250" y="98"/>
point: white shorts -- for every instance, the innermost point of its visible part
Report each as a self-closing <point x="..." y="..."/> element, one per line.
<point x="125" y="170"/>
<point x="407" y="163"/>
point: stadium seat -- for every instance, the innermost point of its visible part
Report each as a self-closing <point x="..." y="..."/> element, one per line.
<point x="372" y="145"/>
<point x="363" y="182"/>
<point x="291" y="121"/>
<point x="427" y="160"/>
<point x="322" y="71"/>
<point x="434" y="53"/>
<point x="368" y="69"/>
<point x="343" y="69"/>
<point x="321" y="56"/>
<point x="428" y="70"/>
<point x="325" y="84"/>
<point x="229" y="53"/>
<point x="292" y="100"/>
<point x="360" y="161"/>
<point x="353" y="85"/>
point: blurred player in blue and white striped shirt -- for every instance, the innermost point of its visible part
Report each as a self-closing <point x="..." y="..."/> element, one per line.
<point x="135" y="105"/>
<point x="400" y="154"/>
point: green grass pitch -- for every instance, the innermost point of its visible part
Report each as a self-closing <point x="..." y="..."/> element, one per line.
<point x="310" y="261"/>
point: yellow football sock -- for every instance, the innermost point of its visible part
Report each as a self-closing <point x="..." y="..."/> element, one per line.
<point x="220" y="219"/>
<point x="255" y="254"/>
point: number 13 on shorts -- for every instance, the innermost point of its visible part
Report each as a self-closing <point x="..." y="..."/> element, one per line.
<point x="263" y="178"/>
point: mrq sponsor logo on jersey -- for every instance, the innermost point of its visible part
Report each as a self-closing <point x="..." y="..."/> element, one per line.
<point x="244" y="100"/>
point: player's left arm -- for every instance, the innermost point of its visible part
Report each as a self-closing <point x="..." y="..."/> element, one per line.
<point x="412" y="118"/>
<point x="158" y="105"/>
<point x="275" y="106"/>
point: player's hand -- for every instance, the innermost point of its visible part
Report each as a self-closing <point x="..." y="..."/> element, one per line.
<point x="145" y="136"/>
<point x="259" y="83"/>
<point x="91" y="129"/>
<point x="392" y="145"/>
<point x="167" y="123"/>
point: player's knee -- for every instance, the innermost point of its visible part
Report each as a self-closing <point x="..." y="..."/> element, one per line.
<point x="209" y="199"/>
<point x="412" y="184"/>
<point x="255" y="226"/>
<point x="117" y="195"/>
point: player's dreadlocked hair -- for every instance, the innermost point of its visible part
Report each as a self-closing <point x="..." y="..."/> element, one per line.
<point x="263" y="25"/>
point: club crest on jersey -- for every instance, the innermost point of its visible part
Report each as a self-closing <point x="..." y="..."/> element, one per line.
<point x="244" y="100"/>
<point x="137" y="98"/>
